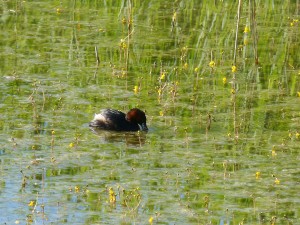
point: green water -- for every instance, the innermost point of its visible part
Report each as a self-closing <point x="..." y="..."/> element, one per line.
<point x="222" y="147"/>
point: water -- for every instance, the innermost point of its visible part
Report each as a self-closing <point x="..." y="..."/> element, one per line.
<point x="219" y="150"/>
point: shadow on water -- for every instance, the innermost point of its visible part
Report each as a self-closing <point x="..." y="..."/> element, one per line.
<point x="130" y="138"/>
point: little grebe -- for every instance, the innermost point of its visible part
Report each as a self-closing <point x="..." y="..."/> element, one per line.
<point x="111" y="119"/>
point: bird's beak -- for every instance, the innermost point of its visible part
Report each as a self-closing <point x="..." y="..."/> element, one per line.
<point x="143" y="127"/>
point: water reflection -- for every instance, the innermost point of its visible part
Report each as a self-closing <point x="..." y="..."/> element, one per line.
<point x="130" y="138"/>
<point x="70" y="170"/>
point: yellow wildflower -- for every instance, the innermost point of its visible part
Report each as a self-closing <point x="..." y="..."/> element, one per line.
<point x="123" y="74"/>
<point x="161" y="113"/>
<point x="31" y="203"/>
<point x="112" y="196"/>
<point x="257" y="175"/>
<point x="136" y="89"/>
<point x="298" y="93"/>
<point x="185" y="66"/>
<point x="71" y="145"/>
<point x="77" y="189"/>
<point x="273" y="151"/>
<point x="162" y="76"/>
<point x="174" y="17"/>
<point x="196" y="70"/>
<point x="159" y="91"/>
<point x="58" y="10"/>
<point x="233" y="69"/>
<point x="212" y="64"/>
<point x="151" y="220"/>
<point x="290" y="134"/>
<point x="124" y="20"/>
<point x="246" y="30"/>
<point x="224" y="80"/>
<point x="277" y="181"/>
<point x="52" y="132"/>
<point x="123" y="44"/>
<point x="297" y="135"/>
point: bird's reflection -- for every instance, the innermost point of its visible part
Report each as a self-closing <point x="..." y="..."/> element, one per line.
<point x="130" y="138"/>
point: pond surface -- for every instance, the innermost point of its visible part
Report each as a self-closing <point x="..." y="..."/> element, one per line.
<point x="220" y="86"/>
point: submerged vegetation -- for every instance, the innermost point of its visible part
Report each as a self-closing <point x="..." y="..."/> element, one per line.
<point x="220" y="84"/>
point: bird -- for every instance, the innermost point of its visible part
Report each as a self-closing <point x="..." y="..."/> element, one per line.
<point x="115" y="120"/>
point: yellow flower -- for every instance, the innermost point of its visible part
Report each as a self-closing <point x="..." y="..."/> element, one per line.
<point x="77" y="189"/>
<point x="71" y="145"/>
<point x="124" y="21"/>
<point x="212" y="64"/>
<point x="224" y="80"/>
<point x="58" y="10"/>
<point x="161" y="113"/>
<point x="130" y="21"/>
<point x="257" y="175"/>
<point x="52" y="132"/>
<point x="233" y="69"/>
<point x="136" y="89"/>
<point x="246" y="30"/>
<point x="297" y="135"/>
<point x="196" y="70"/>
<point x="162" y="76"/>
<point x="186" y="65"/>
<point x="174" y="17"/>
<point x="232" y="91"/>
<point x="298" y="93"/>
<point x="294" y="22"/>
<point x="274" y="152"/>
<point x="123" y="73"/>
<point x="31" y="203"/>
<point x="123" y="44"/>
<point x="277" y="181"/>
<point x="159" y="91"/>
<point x="151" y="220"/>
<point x="112" y="196"/>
